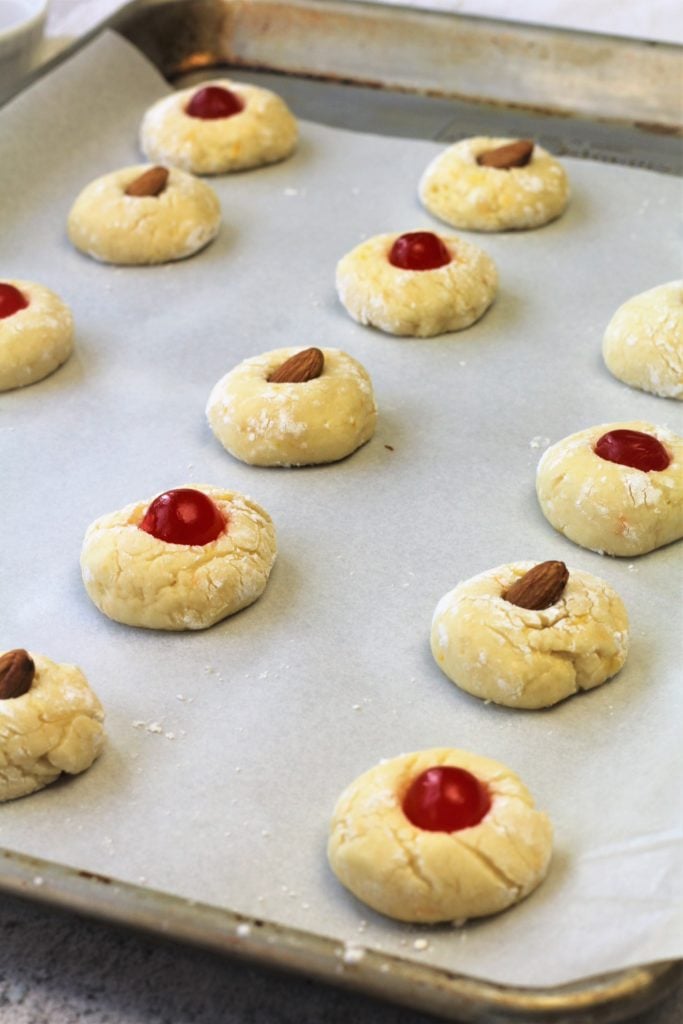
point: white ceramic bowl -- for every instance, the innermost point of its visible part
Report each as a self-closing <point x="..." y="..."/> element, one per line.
<point x="21" y="29"/>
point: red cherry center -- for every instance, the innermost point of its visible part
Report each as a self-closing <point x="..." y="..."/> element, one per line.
<point x="446" y="799"/>
<point x="212" y="102"/>
<point x="419" y="250"/>
<point x="633" y="448"/>
<point x="183" y="516"/>
<point x="11" y="300"/>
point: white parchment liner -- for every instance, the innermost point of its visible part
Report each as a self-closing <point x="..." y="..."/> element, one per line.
<point x="228" y="748"/>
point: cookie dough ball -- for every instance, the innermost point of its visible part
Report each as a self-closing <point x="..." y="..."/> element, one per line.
<point x="643" y="344"/>
<point x="459" y="190"/>
<point x="453" y="291"/>
<point x="185" y="560"/>
<point x="523" y="657"/>
<point x="221" y="126"/>
<point x="114" y="225"/>
<point x="50" y="722"/>
<point x="615" y="488"/>
<point x="36" y="333"/>
<point x="403" y="847"/>
<point x="293" y="422"/>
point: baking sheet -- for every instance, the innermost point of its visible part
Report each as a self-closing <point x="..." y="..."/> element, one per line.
<point x="228" y="748"/>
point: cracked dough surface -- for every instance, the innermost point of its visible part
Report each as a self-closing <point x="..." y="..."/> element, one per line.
<point x="263" y="132"/>
<point x="416" y="303"/>
<point x="643" y="343"/>
<point x="293" y="424"/>
<point x="524" y="658"/>
<point x="414" y="875"/>
<point x="55" y="727"/>
<point x="36" y="340"/>
<point x="140" y="580"/>
<point x="607" y="507"/>
<point x="113" y="227"/>
<point x="459" y="191"/>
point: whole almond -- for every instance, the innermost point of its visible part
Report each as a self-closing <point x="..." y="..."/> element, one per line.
<point x="513" y="154"/>
<point x="305" y="365"/>
<point x="16" y="673"/>
<point x="539" y="587"/>
<point x="149" y="183"/>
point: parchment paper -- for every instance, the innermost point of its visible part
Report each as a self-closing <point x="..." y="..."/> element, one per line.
<point x="228" y="748"/>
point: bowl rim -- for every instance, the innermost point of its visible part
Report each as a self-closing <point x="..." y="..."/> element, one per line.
<point x="32" y="20"/>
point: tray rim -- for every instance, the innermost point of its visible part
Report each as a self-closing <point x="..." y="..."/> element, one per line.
<point x="608" y="997"/>
<point x="531" y="33"/>
<point x="531" y="42"/>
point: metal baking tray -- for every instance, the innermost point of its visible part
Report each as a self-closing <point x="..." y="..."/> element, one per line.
<point x="421" y="74"/>
<point x="416" y="74"/>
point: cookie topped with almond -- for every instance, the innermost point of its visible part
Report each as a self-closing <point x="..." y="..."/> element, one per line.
<point x="528" y="635"/>
<point x="293" y="407"/>
<point x="50" y="722"/>
<point x="492" y="184"/>
<point x="144" y="215"/>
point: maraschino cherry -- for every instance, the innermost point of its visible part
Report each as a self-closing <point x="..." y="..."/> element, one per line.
<point x="419" y="250"/>
<point x="633" y="448"/>
<point x="183" y="516"/>
<point x="212" y="102"/>
<point x="446" y="799"/>
<point x="11" y="300"/>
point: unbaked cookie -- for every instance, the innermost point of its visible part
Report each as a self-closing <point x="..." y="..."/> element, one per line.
<point x="299" y="419"/>
<point x="36" y="333"/>
<point x="221" y="126"/>
<point x="643" y="343"/>
<point x="185" y="560"/>
<point x="439" y="835"/>
<point x="115" y="221"/>
<point x="461" y="191"/>
<point x="573" y="637"/>
<point x="50" y="722"/>
<point x="615" y="488"/>
<point x="417" y="284"/>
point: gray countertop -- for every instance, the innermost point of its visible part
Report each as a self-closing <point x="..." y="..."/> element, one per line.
<point x="56" y="968"/>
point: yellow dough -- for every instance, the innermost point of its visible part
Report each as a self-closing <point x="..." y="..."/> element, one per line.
<point x="36" y="340"/>
<point x="524" y="658"/>
<point x="643" y="343"/>
<point x="139" y="580"/>
<point x="457" y="190"/>
<point x="607" y="507"/>
<point x="55" y="727"/>
<point x="417" y="303"/>
<point x="293" y="424"/>
<point x="113" y="227"/>
<point x="416" y="875"/>
<point x="263" y="132"/>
